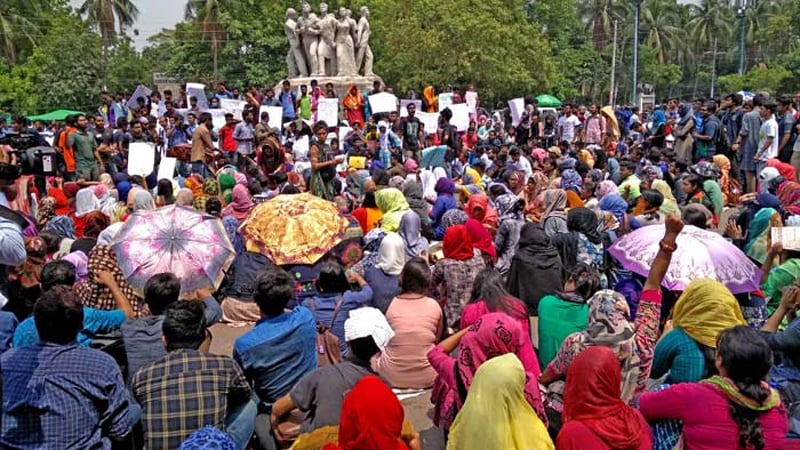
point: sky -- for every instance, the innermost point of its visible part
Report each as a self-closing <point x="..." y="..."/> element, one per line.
<point x="154" y="15"/>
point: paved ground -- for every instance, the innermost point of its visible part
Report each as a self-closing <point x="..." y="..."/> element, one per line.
<point x="418" y="409"/>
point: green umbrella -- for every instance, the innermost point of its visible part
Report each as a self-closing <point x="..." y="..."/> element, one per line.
<point x="59" y="114"/>
<point x="548" y="101"/>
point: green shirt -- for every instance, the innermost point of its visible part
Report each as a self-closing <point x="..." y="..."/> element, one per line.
<point x="558" y="318"/>
<point x="305" y="107"/>
<point x="779" y="278"/>
<point x="82" y="144"/>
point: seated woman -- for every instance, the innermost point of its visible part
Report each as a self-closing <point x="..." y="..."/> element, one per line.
<point x="383" y="276"/>
<point x="495" y="415"/>
<point x="393" y="205"/>
<point x="418" y="323"/>
<point x="686" y="352"/>
<point x="583" y="243"/>
<point x="368" y="215"/>
<point x="554" y="216"/>
<point x="444" y="202"/>
<point x="595" y="417"/>
<point x="335" y="299"/>
<point x="692" y="186"/>
<point x="610" y="325"/>
<point x="739" y="409"/>
<point x="648" y="208"/>
<point x="489" y="295"/>
<point x="238" y="305"/>
<point x="617" y="206"/>
<point x="494" y="334"/>
<point x="566" y="312"/>
<point x="454" y="275"/>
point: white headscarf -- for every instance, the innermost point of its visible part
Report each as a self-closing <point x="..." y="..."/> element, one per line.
<point x="86" y="202"/>
<point x="392" y="254"/>
<point x="428" y="184"/>
<point x="365" y="322"/>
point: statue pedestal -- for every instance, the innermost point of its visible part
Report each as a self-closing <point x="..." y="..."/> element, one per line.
<point x="340" y="84"/>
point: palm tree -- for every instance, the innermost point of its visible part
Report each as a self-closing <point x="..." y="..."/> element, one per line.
<point x="599" y="17"/>
<point x="16" y="26"/>
<point x="711" y="19"/>
<point x="661" y="23"/>
<point x="104" y="14"/>
<point x="206" y="13"/>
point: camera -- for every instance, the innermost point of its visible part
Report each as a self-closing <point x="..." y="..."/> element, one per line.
<point x="32" y="158"/>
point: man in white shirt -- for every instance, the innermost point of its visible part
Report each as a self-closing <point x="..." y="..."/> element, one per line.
<point x="767" y="137"/>
<point x="568" y="125"/>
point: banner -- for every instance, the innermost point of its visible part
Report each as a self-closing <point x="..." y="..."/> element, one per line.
<point x="275" y="115"/>
<point x="328" y="111"/>
<point x="197" y="90"/>
<point x="166" y="170"/>
<point x="517" y="107"/>
<point x="445" y="100"/>
<point x="460" y="117"/>
<point x="234" y="107"/>
<point x="382" y="103"/>
<point x="404" y="106"/>
<point x="141" y="91"/>
<point x="300" y="149"/>
<point x="471" y="98"/>
<point x="430" y="121"/>
<point x="218" y="119"/>
<point x="141" y="157"/>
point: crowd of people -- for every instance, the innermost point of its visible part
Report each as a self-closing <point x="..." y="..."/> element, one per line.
<point x="483" y="276"/>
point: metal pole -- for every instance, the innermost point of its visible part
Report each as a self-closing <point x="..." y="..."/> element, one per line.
<point x="713" y="68"/>
<point x="613" y="68"/>
<point x="742" y="37"/>
<point x="634" y="78"/>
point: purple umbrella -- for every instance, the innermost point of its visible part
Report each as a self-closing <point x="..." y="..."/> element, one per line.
<point x="700" y="254"/>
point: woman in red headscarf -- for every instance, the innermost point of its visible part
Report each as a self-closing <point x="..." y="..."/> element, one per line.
<point x="482" y="240"/>
<point x="478" y="208"/>
<point x="372" y="418"/>
<point x="453" y="276"/>
<point x="595" y="417"/>
<point x="354" y="105"/>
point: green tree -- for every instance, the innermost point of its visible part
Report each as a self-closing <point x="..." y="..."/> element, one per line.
<point x="20" y="23"/>
<point x="126" y="68"/>
<point x="661" y="25"/>
<point x="47" y="80"/>
<point x="712" y="19"/>
<point x="599" y="17"/>
<point x="206" y="13"/>
<point x="104" y="15"/>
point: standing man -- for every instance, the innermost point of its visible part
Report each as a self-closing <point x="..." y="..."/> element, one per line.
<point x="767" y="137"/>
<point x="705" y="140"/>
<point x="568" y="126"/>
<point x="288" y="101"/>
<point x="87" y="160"/>
<point x="202" y="143"/>
<point x="595" y="127"/>
<point x="731" y="124"/>
<point x="786" y="130"/>
<point x="747" y="142"/>
<point x="244" y="135"/>
<point x="227" y="143"/>
<point x="411" y="132"/>
<point x="303" y="105"/>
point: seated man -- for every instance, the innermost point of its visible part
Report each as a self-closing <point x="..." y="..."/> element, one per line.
<point x="321" y="392"/>
<point x="281" y="348"/>
<point x="188" y="389"/>
<point x="142" y="337"/>
<point x="59" y="395"/>
<point x="95" y="321"/>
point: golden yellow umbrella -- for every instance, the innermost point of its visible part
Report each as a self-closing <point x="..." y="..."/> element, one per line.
<point x="294" y="229"/>
<point x="611" y="120"/>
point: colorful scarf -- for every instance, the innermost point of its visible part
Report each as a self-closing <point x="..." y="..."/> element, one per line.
<point x="95" y="295"/>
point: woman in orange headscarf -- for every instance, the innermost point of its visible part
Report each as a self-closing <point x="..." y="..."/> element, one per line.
<point x="431" y="101"/>
<point x="354" y="105"/>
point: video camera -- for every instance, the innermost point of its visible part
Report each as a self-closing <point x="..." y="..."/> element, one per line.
<point x="32" y="158"/>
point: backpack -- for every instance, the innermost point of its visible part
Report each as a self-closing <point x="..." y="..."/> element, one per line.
<point x="328" y="349"/>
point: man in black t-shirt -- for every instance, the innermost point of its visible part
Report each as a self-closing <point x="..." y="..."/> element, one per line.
<point x="411" y="133"/>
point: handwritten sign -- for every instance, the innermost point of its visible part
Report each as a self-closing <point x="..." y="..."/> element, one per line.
<point x="300" y="149"/>
<point x="382" y="103"/>
<point x="275" y="115"/>
<point x="429" y="120"/>
<point x="217" y="118"/>
<point x="197" y="90"/>
<point x="471" y="97"/>
<point x="460" y="117"/>
<point x="517" y="107"/>
<point x="788" y="237"/>
<point x="141" y="157"/>
<point x="445" y="100"/>
<point x="343" y="132"/>
<point x="234" y="107"/>
<point x="404" y="106"/>
<point x="141" y="91"/>
<point x="328" y="111"/>
<point x="166" y="170"/>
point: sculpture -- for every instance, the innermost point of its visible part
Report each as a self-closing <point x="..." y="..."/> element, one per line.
<point x="308" y="27"/>
<point x="364" y="52"/>
<point x="326" y="50"/>
<point x="345" y="45"/>
<point x="295" y="60"/>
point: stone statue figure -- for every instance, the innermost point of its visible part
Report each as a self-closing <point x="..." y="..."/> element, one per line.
<point x="364" y="56"/>
<point x="345" y="45"/>
<point x="326" y="51"/>
<point x="295" y="60"/>
<point x="308" y="27"/>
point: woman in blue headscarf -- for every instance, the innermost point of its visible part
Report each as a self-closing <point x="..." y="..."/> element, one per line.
<point x="618" y="207"/>
<point x="658" y="131"/>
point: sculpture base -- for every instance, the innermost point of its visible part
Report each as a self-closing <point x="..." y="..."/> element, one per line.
<point x="340" y="84"/>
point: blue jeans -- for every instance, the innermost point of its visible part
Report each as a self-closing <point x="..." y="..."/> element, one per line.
<point x="199" y="167"/>
<point x="241" y="422"/>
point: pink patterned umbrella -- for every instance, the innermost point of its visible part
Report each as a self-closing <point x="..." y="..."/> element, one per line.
<point x="700" y="254"/>
<point x="175" y="239"/>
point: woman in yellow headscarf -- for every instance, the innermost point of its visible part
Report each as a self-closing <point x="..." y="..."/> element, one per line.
<point x="393" y="205"/>
<point x="496" y="415"/>
<point x="431" y="101"/>
<point x="670" y="205"/>
<point x="687" y="351"/>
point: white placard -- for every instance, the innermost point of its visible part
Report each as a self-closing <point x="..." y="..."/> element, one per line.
<point x="234" y="107"/>
<point x="275" y="115"/>
<point x="328" y="111"/>
<point x="300" y="149"/>
<point x="429" y="120"/>
<point x="788" y="237"/>
<point x="343" y="132"/>
<point x="166" y="170"/>
<point x="382" y="103"/>
<point x="445" y="100"/>
<point x="184" y="112"/>
<point x="217" y="118"/>
<point x="404" y="106"/>
<point x="141" y="91"/>
<point x="197" y="90"/>
<point x="471" y="98"/>
<point x="141" y="157"/>
<point x="517" y="107"/>
<point x="460" y="117"/>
